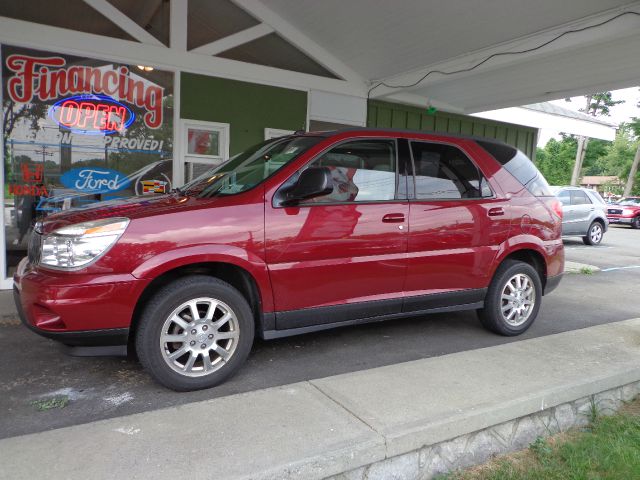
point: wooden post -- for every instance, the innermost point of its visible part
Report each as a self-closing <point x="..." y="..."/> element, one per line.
<point x="577" y="166"/>
<point x="632" y="174"/>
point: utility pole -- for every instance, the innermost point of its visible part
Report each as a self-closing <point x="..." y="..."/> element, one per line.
<point x="582" y="150"/>
<point x="44" y="153"/>
<point x="632" y="174"/>
<point x="577" y="166"/>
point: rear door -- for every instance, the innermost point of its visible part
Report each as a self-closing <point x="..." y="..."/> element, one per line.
<point x="342" y="256"/>
<point x="456" y="224"/>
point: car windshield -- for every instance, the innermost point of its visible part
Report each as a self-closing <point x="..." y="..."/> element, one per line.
<point x="249" y="168"/>
<point x="629" y="201"/>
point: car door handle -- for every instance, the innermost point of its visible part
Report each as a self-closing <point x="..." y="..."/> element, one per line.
<point x="393" y="218"/>
<point x="495" y="211"/>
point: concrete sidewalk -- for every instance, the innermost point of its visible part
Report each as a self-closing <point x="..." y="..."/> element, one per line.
<point x="8" y="312"/>
<point x="388" y="417"/>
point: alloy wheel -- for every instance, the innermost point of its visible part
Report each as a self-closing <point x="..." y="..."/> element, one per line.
<point x="199" y="337"/>
<point x="596" y="233"/>
<point x="518" y="299"/>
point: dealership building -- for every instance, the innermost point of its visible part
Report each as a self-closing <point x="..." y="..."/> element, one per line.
<point x="104" y="99"/>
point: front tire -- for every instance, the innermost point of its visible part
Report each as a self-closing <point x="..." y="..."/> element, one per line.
<point x="513" y="299"/>
<point x="594" y="234"/>
<point x="195" y="333"/>
<point x="635" y="223"/>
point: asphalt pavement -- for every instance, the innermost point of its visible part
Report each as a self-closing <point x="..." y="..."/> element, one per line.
<point x="36" y="369"/>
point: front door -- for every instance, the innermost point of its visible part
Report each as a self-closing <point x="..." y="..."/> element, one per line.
<point x="456" y="223"/>
<point x="341" y="256"/>
<point x="582" y="209"/>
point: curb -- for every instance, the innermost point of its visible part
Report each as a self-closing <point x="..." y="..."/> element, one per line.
<point x="410" y="420"/>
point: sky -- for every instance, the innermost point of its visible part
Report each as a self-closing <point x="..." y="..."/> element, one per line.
<point x="619" y="113"/>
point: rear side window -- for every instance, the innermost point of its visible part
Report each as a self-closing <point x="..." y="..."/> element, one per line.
<point x="445" y="172"/>
<point x="578" y="197"/>
<point x="519" y="165"/>
<point x="596" y="197"/>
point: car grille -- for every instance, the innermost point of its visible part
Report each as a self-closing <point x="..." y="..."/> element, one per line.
<point x="35" y="247"/>
<point x="615" y="211"/>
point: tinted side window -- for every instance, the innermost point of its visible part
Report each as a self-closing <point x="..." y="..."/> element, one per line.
<point x="565" y="197"/>
<point x="518" y="165"/>
<point x="445" y="172"/>
<point x="578" y="197"/>
<point x="362" y="171"/>
<point x="595" y="197"/>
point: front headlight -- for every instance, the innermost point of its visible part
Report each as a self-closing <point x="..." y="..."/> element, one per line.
<point x="79" y="244"/>
<point x="627" y="211"/>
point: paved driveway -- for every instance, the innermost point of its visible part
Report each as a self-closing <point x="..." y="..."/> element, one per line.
<point x="34" y="368"/>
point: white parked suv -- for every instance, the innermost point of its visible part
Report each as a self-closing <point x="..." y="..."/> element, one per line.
<point x="584" y="213"/>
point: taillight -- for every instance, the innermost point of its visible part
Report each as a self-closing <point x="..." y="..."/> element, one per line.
<point x="556" y="206"/>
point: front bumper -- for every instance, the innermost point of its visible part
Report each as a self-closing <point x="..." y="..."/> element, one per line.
<point x="625" y="220"/>
<point x="76" y="309"/>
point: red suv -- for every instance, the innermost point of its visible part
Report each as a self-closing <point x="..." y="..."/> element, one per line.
<point x="625" y="210"/>
<point x="294" y="235"/>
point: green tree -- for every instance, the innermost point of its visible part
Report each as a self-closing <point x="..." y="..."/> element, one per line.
<point x="619" y="155"/>
<point x="597" y="104"/>
<point x="601" y="103"/>
<point x="555" y="160"/>
<point x="596" y="149"/>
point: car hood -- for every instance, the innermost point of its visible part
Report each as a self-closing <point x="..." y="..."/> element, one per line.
<point x="132" y="208"/>
<point x="620" y="207"/>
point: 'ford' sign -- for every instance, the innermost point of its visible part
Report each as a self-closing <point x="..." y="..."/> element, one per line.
<point x="95" y="180"/>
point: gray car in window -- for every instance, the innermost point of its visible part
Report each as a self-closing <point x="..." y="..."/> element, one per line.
<point x="584" y="213"/>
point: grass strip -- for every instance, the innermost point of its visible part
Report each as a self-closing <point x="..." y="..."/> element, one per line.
<point x="607" y="449"/>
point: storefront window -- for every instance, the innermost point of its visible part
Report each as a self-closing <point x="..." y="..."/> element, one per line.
<point x="78" y="131"/>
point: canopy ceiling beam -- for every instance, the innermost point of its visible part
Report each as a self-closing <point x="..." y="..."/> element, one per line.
<point x="298" y="39"/>
<point x="235" y="40"/>
<point x="33" y="35"/>
<point x="124" y="22"/>
<point x="178" y="25"/>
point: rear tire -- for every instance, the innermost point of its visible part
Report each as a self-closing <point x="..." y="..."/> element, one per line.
<point x="513" y="299"/>
<point x="195" y="333"/>
<point x="635" y="223"/>
<point x="594" y="234"/>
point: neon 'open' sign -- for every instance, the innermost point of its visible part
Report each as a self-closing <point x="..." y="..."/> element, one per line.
<point x="92" y="115"/>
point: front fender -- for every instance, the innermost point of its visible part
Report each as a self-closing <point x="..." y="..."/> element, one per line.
<point x="181" y="257"/>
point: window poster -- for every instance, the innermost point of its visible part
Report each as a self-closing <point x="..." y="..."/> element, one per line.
<point x="76" y="131"/>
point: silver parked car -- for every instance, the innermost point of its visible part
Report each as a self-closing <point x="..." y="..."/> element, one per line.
<point x="584" y="213"/>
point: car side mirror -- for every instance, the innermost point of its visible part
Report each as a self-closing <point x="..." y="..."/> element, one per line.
<point x="312" y="182"/>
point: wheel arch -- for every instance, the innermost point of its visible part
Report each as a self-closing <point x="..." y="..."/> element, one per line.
<point x="529" y="255"/>
<point x="237" y="276"/>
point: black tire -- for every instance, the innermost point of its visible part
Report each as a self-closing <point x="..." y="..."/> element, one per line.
<point x="635" y="223"/>
<point x="156" y="313"/>
<point x="491" y="315"/>
<point x="591" y="238"/>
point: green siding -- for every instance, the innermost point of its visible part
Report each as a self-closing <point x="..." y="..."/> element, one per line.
<point x="391" y="115"/>
<point x="248" y="108"/>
